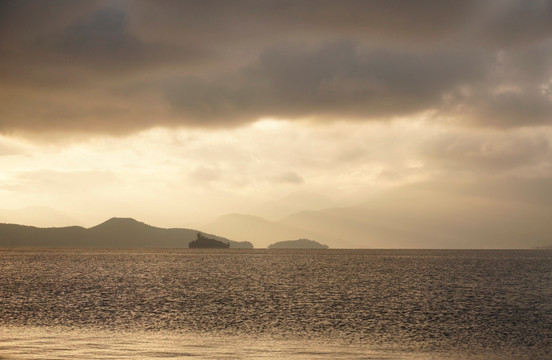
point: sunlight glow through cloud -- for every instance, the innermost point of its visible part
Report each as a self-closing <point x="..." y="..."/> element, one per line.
<point x="128" y="108"/>
<point x="187" y="163"/>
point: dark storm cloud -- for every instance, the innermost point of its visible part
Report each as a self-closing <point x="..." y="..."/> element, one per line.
<point x="338" y="79"/>
<point x="103" y="41"/>
<point x="119" y="66"/>
<point x="98" y="39"/>
<point x="517" y="23"/>
<point x="238" y="22"/>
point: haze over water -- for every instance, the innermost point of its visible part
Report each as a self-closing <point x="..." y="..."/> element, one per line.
<point x="275" y="304"/>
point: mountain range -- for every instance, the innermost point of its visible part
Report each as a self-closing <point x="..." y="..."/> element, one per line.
<point x="114" y="233"/>
<point x="485" y="215"/>
<point x="422" y="216"/>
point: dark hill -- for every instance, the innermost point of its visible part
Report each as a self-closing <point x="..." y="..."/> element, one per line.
<point x="116" y="224"/>
<point x="114" y="233"/>
<point x="298" y="244"/>
<point x="12" y="235"/>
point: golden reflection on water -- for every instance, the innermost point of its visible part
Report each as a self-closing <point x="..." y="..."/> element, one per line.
<point x="67" y="343"/>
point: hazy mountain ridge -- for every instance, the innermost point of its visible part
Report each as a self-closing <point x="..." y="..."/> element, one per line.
<point x="261" y="231"/>
<point x="403" y="220"/>
<point x="422" y="215"/>
<point x="291" y="204"/>
<point x="113" y="233"/>
<point x="425" y="215"/>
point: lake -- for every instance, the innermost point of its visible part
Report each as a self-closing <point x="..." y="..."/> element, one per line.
<point x="275" y="304"/>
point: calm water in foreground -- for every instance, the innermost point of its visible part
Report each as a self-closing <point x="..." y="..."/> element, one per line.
<point x="275" y="304"/>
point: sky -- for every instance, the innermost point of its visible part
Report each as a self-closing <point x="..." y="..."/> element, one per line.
<point x="177" y="112"/>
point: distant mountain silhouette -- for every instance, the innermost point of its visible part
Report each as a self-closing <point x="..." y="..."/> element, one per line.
<point x="203" y="242"/>
<point x="430" y="215"/>
<point x="114" y="233"/>
<point x="426" y="217"/>
<point x="260" y="231"/>
<point x="298" y="244"/>
<point x="291" y="204"/>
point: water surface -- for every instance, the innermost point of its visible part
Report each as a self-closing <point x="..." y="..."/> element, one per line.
<point x="275" y="304"/>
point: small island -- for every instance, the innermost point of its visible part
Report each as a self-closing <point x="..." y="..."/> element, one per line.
<point x="203" y="242"/>
<point x="298" y="244"/>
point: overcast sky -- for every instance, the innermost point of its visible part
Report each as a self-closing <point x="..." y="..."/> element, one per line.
<point x="175" y="112"/>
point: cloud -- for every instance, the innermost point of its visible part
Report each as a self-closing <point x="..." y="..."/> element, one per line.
<point x="86" y="36"/>
<point x="6" y="149"/>
<point x="104" y="42"/>
<point x="513" y="109"/>
<point x="121" y="67"/>
<point x="205" y="175"/>
<point x="481" y="153"/>
<point x="335" y="80"/>
<point x="290" y="177"/>
<point x="515" y="23"/>
<point x="250" y="22"/>
<point x="51" y="182"/>
<point x="514" y="92"/>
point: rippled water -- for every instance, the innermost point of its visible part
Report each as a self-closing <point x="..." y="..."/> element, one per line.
<point x="275" y="304"/>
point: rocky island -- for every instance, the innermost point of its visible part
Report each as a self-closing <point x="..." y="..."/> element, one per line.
<point x="203" y="242"/>
<point x="298" y="244"/>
